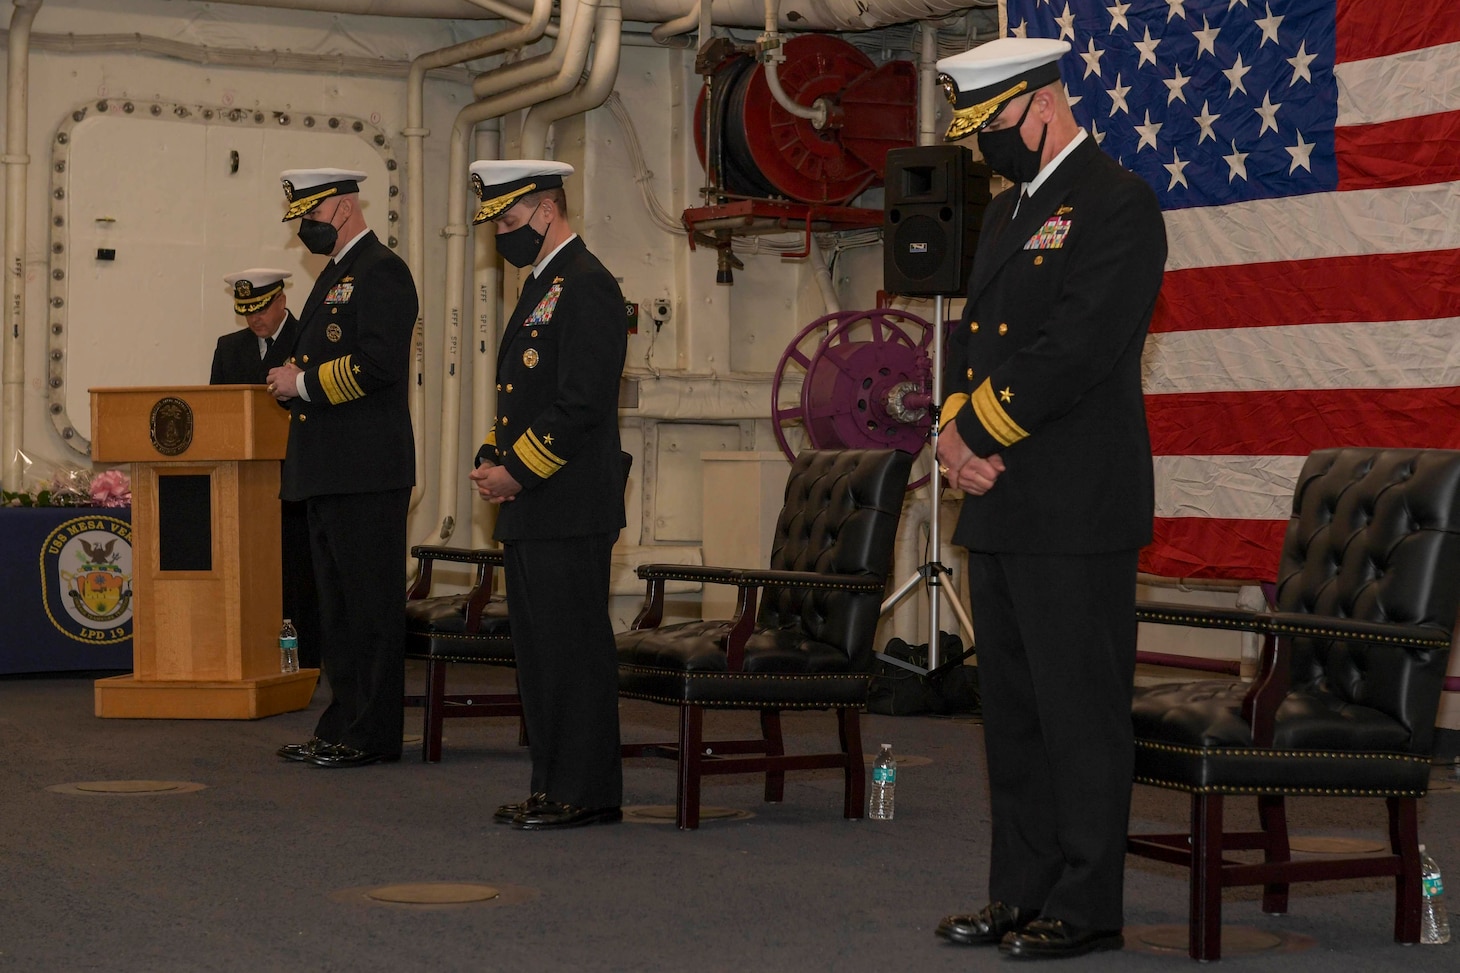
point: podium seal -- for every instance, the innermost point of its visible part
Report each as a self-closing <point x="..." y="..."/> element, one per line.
<point x="170" y="427"/>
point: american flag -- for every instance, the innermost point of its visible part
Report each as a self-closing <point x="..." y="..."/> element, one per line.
<point x="1307" y="156"/>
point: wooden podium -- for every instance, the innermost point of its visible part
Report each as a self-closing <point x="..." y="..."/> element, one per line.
<point x="207" y="599"/>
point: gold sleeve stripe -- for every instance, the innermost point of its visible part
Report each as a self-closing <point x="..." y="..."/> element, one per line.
<point x="491" y="439"/>
<point x="951" y="407"/>
<point x="328" y="383"/>
<point x="347" y="377"/>
<point x="538" y="460"/>
<point x="994" y="418"/>
<point x="338" y="384"/>
<point x="552" y="457"/>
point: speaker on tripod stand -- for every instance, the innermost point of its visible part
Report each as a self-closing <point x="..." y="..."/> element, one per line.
<point x="934" y="204"/>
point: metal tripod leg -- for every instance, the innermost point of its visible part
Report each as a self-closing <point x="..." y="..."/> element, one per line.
<point x="933" y="573"/>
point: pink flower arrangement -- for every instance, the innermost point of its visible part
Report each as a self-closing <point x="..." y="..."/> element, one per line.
<point x="111" y="488"/>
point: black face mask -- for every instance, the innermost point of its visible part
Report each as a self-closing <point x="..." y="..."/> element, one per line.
<point x="1006" y="153"/>
<point x="521" y="246"/>
<point x="318" y="236"/>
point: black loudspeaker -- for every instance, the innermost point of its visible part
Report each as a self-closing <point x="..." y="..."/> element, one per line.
<point x="935" y="198"/>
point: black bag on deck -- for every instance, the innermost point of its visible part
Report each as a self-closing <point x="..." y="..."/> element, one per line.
<point x="951" y="688"/>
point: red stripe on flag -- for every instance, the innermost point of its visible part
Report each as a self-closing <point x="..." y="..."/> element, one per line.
<point x="1370" y="287"/>
<point x="1367" y="28"/>
<point x="1202" y="547"/>
<point x="1415" y="151"/>
<point x="1296" y="422"/>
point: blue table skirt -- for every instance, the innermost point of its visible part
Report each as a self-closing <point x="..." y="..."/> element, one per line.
<point x="65" y="588"/>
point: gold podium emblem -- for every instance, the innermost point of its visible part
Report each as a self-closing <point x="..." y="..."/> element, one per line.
<point x="170" y="426"/>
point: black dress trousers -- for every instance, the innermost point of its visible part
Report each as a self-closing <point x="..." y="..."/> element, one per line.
<point x="1056" y="663"/>
<point x="567" y="666"/>
<point x="359" y="546"/>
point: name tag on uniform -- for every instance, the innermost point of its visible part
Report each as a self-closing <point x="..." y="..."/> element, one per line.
<point x="543" y="313"/>
<point x="1051" y="235"/>
<point x="340" y="293"/>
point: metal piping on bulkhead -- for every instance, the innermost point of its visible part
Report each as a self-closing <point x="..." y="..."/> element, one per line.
<point x="17" y="168"/>
<point x="571" y="53"/>
<point x="824" y="283"/>
<point x="928" y="86"/>
<point x="772" y="56"/>
<point x="415" y="132"/>
<point x="523" y="73"/>
<point x="827" y="15"/>
<point x="690" y="20"/>
<point x="592" y="93"/>
<point x="486" y="297"/>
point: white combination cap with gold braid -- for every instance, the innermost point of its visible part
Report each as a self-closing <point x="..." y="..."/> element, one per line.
<point x="500" y="183"/>
<point x="980" y="82"/>
<point x="307" y="188"/>
<point x="256" y="288"/>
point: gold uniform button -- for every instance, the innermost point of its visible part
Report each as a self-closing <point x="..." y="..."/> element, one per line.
<point x="509" y="386"/>
<point x="302" y="417"/>
<point x="499" y="386"/>
<point x="306" y="359"/>
<point x="973" y="326"/>
<point x="1039" y="260"/>
<point x="970" y="374"/>
<point x="1003" y="329"/>
<point x="504" y="420"/>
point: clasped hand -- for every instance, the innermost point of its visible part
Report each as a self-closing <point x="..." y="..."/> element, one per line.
<point x="284" y="381"/>
<point x="494" y="484"/>
<point x="963" y="470"/>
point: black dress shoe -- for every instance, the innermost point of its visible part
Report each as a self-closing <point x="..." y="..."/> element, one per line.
<point x="507" y="812"/>
<point x="551" y="814"/>
<point x="339" y="755"/>
<point x="987" y="926"/>
<point x="1053" y="939"/>
<point x="301" y="752"/>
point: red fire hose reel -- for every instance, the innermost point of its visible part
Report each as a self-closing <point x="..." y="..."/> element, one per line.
<point x="768" y="171"/>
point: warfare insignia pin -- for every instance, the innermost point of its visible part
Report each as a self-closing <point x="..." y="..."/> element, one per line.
<point x="530" y="358"/>
<point x="333" y="332"/>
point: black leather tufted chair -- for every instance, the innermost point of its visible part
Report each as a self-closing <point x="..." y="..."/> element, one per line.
<point x="469" y="628"/>
<point x="809" y="645"/>
<point x="1349" y="682"/>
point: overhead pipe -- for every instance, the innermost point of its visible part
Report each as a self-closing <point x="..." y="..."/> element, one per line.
<point x="415" y="132"/>
<point x="487" y="297"/>
<point x="571" y="50"/>
<point x="828" y="15"/>
<point x="928" y="86"/>
<point x="689" y="20"/>
<point x="769" y="45"/>
<point x="594" y="90"/>
<point x="525" y="72"/>
<point x="17" y="168"/>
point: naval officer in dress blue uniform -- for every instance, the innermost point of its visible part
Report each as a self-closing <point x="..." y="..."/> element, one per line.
<point x="351" y="459"/>
<point x="1044" y="428"/>
<point x="552" y="462"/>
<point x="245" y="358"/>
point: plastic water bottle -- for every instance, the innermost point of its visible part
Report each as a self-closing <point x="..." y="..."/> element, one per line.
<point x="1434" y="920"/>
<point x="288" y="648"/>
<point x="884" y="785"/>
